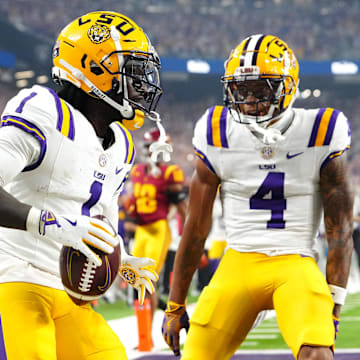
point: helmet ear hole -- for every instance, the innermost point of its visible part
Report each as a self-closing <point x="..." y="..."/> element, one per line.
<point x="95" y="68"/>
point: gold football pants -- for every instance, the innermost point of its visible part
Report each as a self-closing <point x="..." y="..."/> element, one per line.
<point x="42" y="323"/>
<point x="246" y="283"/>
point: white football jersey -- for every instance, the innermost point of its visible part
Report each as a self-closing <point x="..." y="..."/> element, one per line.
<point x="72" y="175"/>
<point x="270" y="193"/>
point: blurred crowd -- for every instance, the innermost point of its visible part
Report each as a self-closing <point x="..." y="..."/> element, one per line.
<point x="316" y="30"/>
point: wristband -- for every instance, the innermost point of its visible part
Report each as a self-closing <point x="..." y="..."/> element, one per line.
<point x="338" y="294"/>
<point x="33" y="221"/>
<point x="173" y="306"/>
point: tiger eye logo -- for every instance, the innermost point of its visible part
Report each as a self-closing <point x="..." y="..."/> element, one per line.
<point x="267" y="152"/>
<point x="98" y="33"/>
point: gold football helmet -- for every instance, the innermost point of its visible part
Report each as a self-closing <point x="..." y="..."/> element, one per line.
<point x="108" y="56"/>
<point x="261" y="79"/>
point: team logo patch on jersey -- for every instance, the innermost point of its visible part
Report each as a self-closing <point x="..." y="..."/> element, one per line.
<point x="267" y="152"/>
<point x="98" y="33"/>
<point x="102" y="160"/>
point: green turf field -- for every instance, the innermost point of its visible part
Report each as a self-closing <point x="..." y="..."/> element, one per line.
<point x="267" y="335"/>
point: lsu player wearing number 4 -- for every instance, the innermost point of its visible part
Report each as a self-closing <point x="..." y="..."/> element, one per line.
<point x="59" y="166"/>
<point x="280" y="169"/>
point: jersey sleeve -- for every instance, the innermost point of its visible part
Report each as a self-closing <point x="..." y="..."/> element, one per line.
<point x="210" y="136"/>
<point x="339" y="136"/>
<point x="18" y="150"/>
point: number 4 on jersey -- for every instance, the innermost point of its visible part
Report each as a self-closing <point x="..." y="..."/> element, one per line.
<point x="274" y="183"/>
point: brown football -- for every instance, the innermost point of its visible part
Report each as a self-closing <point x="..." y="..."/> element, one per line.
<point x="82" y="280"/>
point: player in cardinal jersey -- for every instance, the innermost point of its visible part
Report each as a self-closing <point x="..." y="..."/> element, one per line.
<point x="64" y="158"/>
<point x="156" y="186"/>
<point x="280" y="168"/>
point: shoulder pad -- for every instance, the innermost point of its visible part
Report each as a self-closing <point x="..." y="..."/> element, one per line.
<point x="41" y="107"/>
<point x="325" y="122"/>
<point x="174" y="174"/>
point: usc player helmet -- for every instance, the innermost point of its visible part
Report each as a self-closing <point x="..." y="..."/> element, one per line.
<point x="153" y="135"/>
<point x="109" y="57"/>
<point x="261" y="79"/>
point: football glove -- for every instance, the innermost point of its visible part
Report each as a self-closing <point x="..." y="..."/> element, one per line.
<point x="175" y="319"/>
<point x="138" y="273"/>
<point x="79" y="232"/>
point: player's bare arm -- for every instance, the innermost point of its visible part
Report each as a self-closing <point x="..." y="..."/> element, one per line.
<point x="13" y="213"/>
<point x="203" y="190"/>
<point x="337" y="198"/>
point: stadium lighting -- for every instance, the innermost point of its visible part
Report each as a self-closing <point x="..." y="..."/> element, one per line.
<point x="316" y="93"/>
<point x="21" y="83"/>
<point x="24" y="74"/>
<point x="198" y="66"/>
<point x="306" y="93"/>
<point x="42" y="79"/>
<point x="344" y="68"/>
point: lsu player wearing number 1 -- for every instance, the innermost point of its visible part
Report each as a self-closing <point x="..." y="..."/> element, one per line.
<point x="64" y="158"/>
<point x="280" y="169"/>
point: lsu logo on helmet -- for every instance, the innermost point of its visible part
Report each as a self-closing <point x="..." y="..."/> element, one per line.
<point x="98" y="33"/>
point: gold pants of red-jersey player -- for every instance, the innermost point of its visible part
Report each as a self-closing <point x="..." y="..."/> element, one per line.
<point x="153" y="241"/>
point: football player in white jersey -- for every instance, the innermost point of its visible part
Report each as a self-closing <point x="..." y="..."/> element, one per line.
<point x="279" y="169"/>
<point x="64" y="158"/>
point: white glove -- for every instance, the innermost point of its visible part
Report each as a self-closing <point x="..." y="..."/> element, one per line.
<point x="138" y="273"/>
<point x="79" y="232"/>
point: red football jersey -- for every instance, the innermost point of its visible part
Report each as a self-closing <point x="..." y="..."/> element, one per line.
<point x="151" y="201"/>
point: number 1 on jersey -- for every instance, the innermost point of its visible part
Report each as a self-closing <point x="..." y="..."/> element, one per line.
<point x="274" y="183"/>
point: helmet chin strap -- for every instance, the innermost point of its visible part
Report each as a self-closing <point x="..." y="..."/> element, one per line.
<point x="125" y="110"/>
<point x="270" y="135"/>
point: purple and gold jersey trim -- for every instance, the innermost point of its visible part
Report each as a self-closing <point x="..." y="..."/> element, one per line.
<point x="205" y="160"/>
<point x="216" y="127"/>
<point x="323" y="128"/>
<point x="30" y="129"/>
<point x="334" y="155"/>
<point x="2" y="343"/>
<point x="130" y="148"/>
<point x="65" y="121"/>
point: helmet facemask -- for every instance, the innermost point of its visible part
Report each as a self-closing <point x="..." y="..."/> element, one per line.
<point x="137" y="80"/>
<point x="257" y="98"/>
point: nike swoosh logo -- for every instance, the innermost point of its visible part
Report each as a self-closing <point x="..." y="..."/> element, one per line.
<point x="290" y="156"/>
<point x="73" y="223"/>
<point x="117" y="170"/>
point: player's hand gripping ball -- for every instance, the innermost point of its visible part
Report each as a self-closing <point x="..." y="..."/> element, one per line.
<point x="82" y="280"/>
